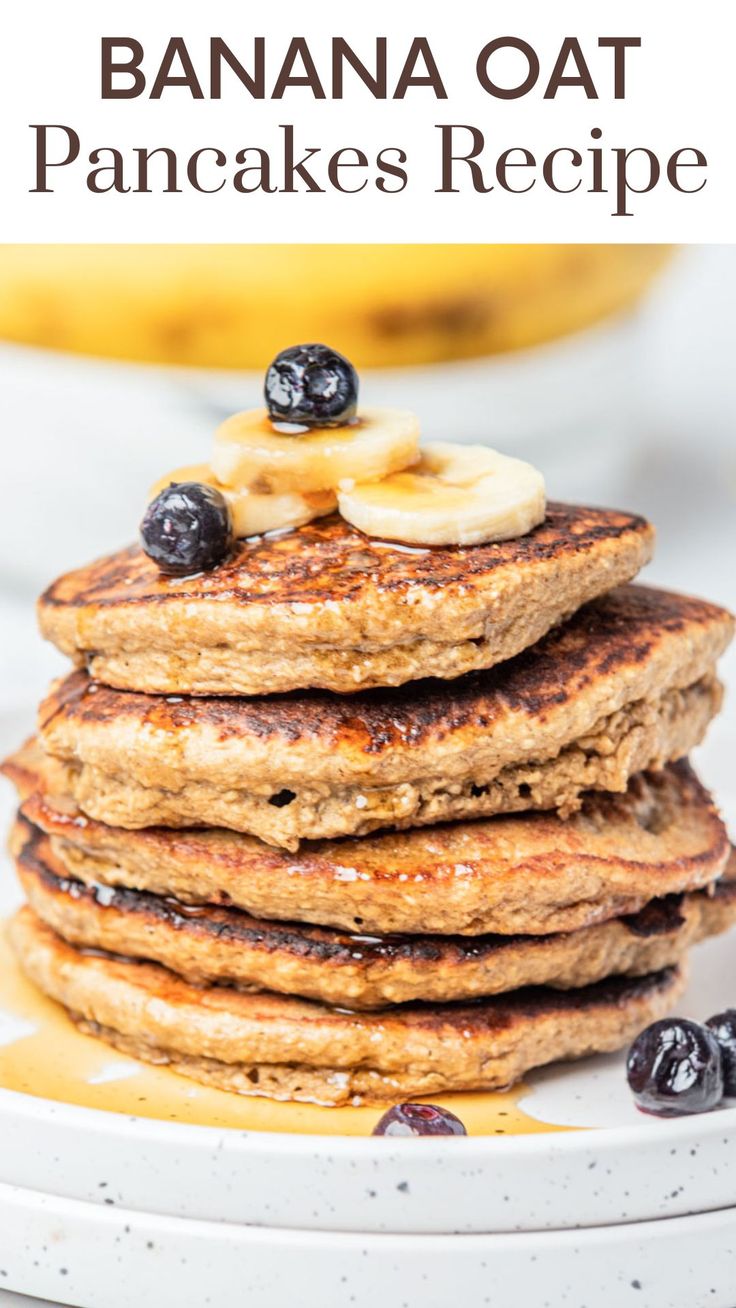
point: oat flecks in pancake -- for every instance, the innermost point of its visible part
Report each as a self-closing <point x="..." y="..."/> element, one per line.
<point x="642" y="736"/>
<point x="313" y="564"/>
<point x="225" y="946"/>
<point x="527" y="872"/>
<point x="326" y="606"/>
<point x="297" y="1049"/>
<point x="626" y="684"/>
<point x="613" y="645"/>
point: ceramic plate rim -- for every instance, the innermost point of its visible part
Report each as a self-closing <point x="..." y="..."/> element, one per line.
<point x="574" y="1140"/>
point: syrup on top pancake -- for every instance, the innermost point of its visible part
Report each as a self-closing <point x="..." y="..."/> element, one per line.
<point x="326" y="606"/>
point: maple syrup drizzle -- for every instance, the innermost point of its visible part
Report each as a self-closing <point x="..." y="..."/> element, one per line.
<point x="56" y="1061"/>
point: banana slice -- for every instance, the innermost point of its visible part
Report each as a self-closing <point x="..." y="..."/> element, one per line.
<point x="254" y="514"/>
<point x="457" y="495"/>
<point x="251" y="452"/>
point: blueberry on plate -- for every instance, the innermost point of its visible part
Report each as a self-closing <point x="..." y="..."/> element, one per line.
<point x="674" y="1067"/>
<point x="187" y="528"/>
<point x="723" y="1026"/>
<point x="311" y="385"/>
<point x="419" y="1119"/>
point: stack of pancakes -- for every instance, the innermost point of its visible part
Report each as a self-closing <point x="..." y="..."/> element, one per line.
<point x="344" y="820"/>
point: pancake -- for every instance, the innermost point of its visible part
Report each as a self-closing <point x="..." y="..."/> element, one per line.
<point x="326" y="606"/>
<point x="627" y="684"/>
<point x="528" y="873"/>
<point x="265" y="1044"/>
<point x="209" y="945"/>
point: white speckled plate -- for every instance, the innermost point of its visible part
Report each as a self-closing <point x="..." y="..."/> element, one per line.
<point x="96" y="1257"/>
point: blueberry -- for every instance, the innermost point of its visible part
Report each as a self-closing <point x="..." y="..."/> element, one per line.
<point x="311" y="385"/>
<point x="675" y="1067"/>
<point x="187" y="528"/>
<point x="723" y="1026"/>
<point x="419" y="1119"/>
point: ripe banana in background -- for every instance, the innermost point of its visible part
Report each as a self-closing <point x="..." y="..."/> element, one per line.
<point x="234" y="306"/>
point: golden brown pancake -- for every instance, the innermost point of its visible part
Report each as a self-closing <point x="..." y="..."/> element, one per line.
<point x="626" y="684"/>
<point x="208" y="945"/>
<point x="265" y="1044"/>
<point x="524" y="873"/>
<point x="326" y="606"/>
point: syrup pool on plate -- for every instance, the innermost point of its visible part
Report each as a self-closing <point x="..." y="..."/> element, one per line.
<point x="43" y="1054"/>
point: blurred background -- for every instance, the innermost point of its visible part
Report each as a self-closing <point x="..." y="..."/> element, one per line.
<point x="610" y="367"/>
